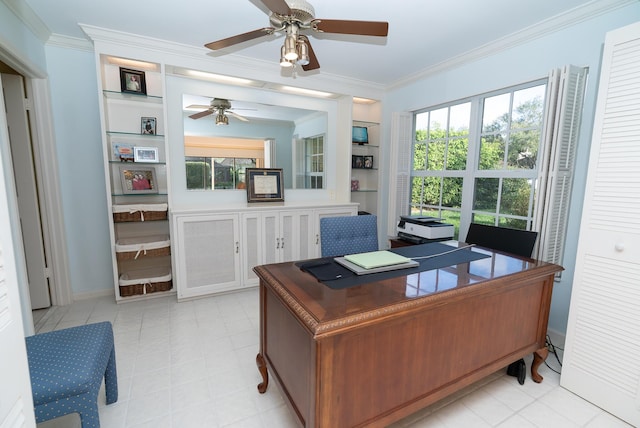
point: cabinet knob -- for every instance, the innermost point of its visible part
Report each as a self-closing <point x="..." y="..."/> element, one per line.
<point x="277" y="243"/>
<point x="237" y="247"/>
<point x="619" y="247"/>
<point x="282" y="242"/>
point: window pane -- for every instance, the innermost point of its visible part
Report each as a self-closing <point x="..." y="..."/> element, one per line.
<point x="438" y="123"/>
<point x="489" y="220"/>
<point x="420" y="157"/>
<point x="431" y="192"/>
<point x="452" y="192"/>
<point x="523" y="149"/>
<point x="528" y="107"/>
<point x="198" y="172"/>
<point x="492" y="152"/>
<point x="435" y="156"/>
<point x="515" y="196"/>
<point x="513" y="223"/>
<point x="486" y="194"/>
<point x="460" y="116"/>
<point x="457" y="154"/>
<point x="416" y="191"/>
<point x="495" y="113"/>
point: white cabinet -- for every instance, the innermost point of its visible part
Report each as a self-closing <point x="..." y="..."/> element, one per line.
<point x="136" y="178"/>
<point x="602" y="352"/>
<point x="216" y="251"/>
<point x="207" y="254"/>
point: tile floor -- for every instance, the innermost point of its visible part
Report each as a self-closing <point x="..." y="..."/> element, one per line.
<point x="192" y="364"/>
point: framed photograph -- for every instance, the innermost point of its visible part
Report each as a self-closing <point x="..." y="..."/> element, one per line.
<point x="357" y="161"/>
<point x="132" y="81"/>
<point x="264" y="185"/>
<point x="138" y="179"/>
<point x="123" y="152"/>
<point x="368" y="162"/>
<point x="148" y="125"/>
<point x="145" y="154"/>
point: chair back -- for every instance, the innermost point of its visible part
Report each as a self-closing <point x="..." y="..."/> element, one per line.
<point x="348" y="235"/>
<point x="514" y="241"/>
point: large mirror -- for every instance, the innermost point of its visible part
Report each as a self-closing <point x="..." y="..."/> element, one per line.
<point x="223" y="137"/>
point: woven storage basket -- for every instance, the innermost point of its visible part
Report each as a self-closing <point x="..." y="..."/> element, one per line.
<point x="145" y="281"/>
<point x="143" y="247"/>
<point x="139" y="212"/>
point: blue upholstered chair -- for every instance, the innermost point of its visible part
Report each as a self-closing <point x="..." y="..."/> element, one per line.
<point x="67" y="367"/>
<point x="348" y="235"/>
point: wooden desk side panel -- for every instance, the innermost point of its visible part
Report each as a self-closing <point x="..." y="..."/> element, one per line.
<point x="287" y="348"/>
<point x="375" y="375"/>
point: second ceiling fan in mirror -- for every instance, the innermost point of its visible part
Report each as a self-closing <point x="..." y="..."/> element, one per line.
<point x="221" y="108"/>
<point x="293" y="17"/>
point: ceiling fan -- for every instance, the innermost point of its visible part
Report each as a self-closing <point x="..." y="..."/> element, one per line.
<point x="293" y="17"/>
<point x="221" y="108"/>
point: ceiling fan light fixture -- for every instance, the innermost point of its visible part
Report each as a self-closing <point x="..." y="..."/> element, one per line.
<point x="221" y="119"/>
<point x="303" y="52"/>
<point x="290" y="48"/>
<point x="284" y="62"/>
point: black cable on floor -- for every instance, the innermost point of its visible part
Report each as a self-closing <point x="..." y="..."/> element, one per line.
<point x="554" y="350"/>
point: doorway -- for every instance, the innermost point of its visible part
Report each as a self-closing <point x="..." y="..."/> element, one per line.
<point x="26" y="183"/>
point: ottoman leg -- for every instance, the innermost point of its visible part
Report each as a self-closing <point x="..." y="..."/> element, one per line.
<point x="111" y="378"/>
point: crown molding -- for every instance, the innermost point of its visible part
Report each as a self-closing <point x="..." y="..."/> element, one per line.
<point x="68" y="42"/>
<point x="559" y="22"/>
<point x="29" y="18"/>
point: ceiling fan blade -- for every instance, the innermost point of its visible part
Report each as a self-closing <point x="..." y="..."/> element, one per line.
<point x="230" y="41"/>
<point x="363" y="28"/>
<point x="201" y="114"/>
<point x="313" y="60"/>
<point x="237" y="116"/>
<point x="197" y="106"/>
<point x="277" y="6"/>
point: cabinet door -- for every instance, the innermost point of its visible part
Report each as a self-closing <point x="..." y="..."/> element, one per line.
<point x="296" y="235"/>
<point x="208" y="254"/>
<point x="251" y="247"/>
<point x="271" y="238"/>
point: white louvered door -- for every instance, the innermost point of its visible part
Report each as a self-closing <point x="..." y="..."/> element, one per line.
<point x="602" y="350"/>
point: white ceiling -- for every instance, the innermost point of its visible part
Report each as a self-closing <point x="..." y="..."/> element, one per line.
<point x="422" y="33"/>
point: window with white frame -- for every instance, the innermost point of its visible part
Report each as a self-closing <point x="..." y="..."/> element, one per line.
<point x="475" y="160"/>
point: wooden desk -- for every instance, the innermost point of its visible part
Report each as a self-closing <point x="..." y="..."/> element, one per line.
<point x="372" y="354"/>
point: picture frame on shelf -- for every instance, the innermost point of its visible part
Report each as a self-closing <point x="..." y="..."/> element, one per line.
<point x="368" y="162"/>
<point x="145" y="154"/>
<point x="355" y="185"/>
<point x="132" y="81"/>
<point x="357" y="161"/>
<point x="123" y="152"/>
<point x="148" y="125"/>
<point x="138" y="180"/>
<point x="264" y="185"/>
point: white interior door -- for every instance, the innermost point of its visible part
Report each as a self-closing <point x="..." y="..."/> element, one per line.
<point x="602" y="350"/>
<point x="26" y="190"/>
<point x="16" y="403"/>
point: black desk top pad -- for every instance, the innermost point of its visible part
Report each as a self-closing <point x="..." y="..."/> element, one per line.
<point x="336" y="276"/>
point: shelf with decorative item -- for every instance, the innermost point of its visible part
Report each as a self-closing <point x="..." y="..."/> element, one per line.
<point x="116" y="95"/>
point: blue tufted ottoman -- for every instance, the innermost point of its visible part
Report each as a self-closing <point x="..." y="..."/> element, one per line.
<point x="67" y="367"/>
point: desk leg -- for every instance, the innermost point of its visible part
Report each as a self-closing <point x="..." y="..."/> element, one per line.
<point x="538" y="358"/>
<point x="262" y="367"/>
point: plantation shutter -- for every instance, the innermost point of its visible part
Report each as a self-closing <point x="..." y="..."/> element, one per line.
<point x="400" y="168"/>
<point x="563" y="112"/>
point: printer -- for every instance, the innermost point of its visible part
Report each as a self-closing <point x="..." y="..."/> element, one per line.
<point x="421" y="228"/>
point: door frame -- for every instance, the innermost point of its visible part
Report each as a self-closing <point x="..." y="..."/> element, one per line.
<point x="47" y="174"/>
